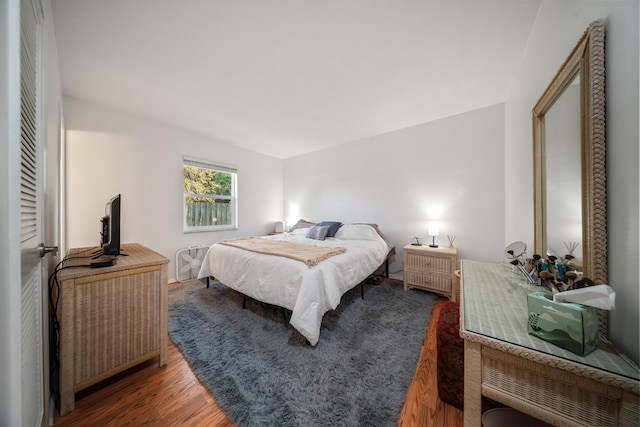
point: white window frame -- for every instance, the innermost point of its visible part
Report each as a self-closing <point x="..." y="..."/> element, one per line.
<point x="233" y="198"/>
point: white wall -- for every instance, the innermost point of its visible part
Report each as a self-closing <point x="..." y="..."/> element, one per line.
<point x="558" y="27"/>
<point x="450" y="170"/>
<point x="111" y="152"/>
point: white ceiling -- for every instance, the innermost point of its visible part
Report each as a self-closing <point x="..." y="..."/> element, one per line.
<point x="287" y="77"/>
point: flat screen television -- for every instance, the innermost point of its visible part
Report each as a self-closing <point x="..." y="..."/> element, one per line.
<point x="110" y="234"/>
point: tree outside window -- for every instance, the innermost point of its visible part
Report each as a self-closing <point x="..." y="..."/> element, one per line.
<point x="209" y="196"/>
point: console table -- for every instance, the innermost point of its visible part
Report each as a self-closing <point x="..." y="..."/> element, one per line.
<point x="503" y="362"/>
<point x="111" y="318"/>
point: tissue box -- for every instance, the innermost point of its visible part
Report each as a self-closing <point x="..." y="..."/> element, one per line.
<point x="571" y="326"/>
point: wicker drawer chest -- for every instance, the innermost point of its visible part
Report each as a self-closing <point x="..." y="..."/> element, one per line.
<point x="111" y="318"/>
<point x="431" y="269"/>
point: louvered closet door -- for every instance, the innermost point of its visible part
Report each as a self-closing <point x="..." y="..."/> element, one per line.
<point x="31" y="218"/>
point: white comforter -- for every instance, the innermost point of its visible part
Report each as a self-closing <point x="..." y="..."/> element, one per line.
<point x="309" y="292"/>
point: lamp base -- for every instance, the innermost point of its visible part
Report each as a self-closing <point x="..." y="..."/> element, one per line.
<point x="433" y="246"/>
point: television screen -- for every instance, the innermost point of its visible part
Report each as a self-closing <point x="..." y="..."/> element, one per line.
<point x="110" y="235"/>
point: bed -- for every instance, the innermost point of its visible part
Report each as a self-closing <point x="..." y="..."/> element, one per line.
<point x="307" y="286"/>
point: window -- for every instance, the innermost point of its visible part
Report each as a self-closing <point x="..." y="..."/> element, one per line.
<point x="210" y="196"/>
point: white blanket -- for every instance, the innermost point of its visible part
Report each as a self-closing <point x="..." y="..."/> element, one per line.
<point x="309" y="292"/>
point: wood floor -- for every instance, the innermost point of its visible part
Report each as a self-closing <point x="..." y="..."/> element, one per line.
<point x="172" y="396"/>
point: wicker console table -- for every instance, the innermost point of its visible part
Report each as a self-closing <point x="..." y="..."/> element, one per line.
<point x="503" y="362"/>
<point x="111" y="318"/>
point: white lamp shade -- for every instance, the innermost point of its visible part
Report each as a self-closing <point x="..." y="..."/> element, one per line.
<point x="434" y="230"/>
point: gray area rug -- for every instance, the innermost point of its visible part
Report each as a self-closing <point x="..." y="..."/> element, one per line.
<point x="262" y="374"/>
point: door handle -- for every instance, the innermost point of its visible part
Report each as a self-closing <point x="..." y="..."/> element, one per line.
<point x="43" y="250"/>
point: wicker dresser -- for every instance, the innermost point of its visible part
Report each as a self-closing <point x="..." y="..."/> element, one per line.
<point x="111" y="318"/>
<point x="431" y="269"/>
<point x="503" y="362"/>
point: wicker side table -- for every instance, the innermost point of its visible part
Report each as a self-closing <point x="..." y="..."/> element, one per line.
<point x="503" y="362"/>
<point x="431" y="269"/>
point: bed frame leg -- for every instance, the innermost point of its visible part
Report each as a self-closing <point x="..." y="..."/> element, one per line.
<point x="386" y="268"/>
<point x="244" y="301"/>
<point x="362" y="290"/>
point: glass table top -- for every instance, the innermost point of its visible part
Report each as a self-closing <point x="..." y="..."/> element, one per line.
<point x="495" y="305"/>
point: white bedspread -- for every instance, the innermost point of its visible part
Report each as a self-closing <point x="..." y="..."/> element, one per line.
<point x="309" y="292"/>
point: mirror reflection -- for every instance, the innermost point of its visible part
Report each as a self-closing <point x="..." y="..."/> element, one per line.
<point x="563" y="207"/>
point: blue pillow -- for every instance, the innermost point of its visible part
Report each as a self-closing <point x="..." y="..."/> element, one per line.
<point x="318" y="232"/>
<point x="333" y="227"/>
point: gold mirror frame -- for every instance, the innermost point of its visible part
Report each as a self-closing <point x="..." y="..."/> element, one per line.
<point x="586" y="60"/>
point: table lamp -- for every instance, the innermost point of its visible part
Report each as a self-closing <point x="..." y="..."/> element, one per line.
<point x="434" y="231"/>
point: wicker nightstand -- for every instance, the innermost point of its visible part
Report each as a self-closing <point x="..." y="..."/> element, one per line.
<point x="431" y="269"/>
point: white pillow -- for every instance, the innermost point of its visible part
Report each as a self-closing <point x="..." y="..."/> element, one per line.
<point x="300" y="231"/>
<point x="357" y="232"/>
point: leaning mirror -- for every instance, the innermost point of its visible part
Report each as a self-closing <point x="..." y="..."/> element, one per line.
<point x="569" y="160"/>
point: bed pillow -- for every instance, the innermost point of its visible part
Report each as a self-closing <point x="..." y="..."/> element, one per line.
<point x="318" y="232"/>
<point x="302" y="223"/>
<point x="333" y="227"/>
<point x="300" y="231"/>
<point x="357" y="232"/>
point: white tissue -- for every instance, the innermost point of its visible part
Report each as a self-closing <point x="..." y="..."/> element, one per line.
<point x="601" y="296"/>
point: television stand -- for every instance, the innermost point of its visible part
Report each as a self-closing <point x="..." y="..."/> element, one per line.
<point x="111" y="318"/>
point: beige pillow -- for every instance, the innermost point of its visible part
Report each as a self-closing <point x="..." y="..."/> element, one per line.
<point x="302" y="223"/>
